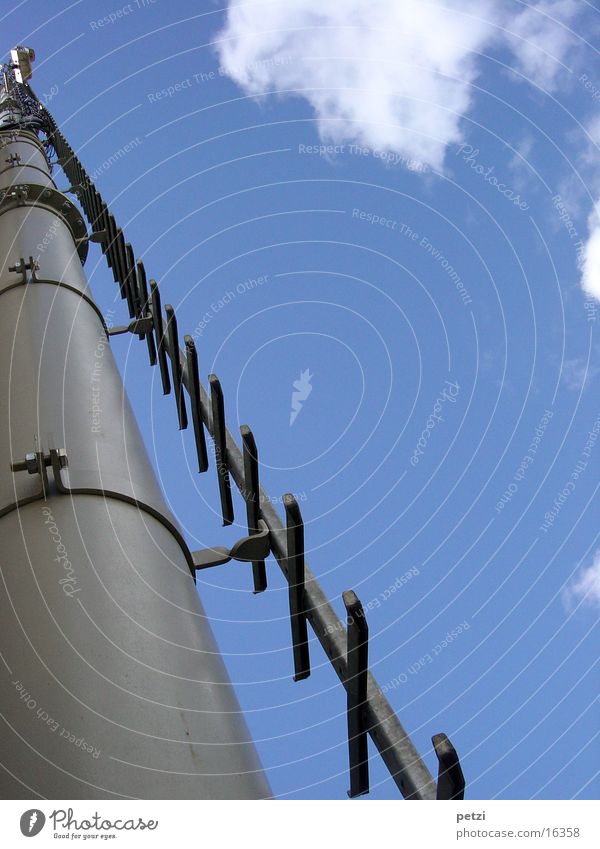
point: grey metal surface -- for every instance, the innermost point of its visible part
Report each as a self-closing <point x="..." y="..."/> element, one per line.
<point x="22" y="230"/>
<point x="117" y="657"/>
<point x="111" y="683"/>
<point x="32" y="160"/>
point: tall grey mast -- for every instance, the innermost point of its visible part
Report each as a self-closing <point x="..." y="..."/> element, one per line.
<point x="113" y="686"/>
<point x="111" y="683"/>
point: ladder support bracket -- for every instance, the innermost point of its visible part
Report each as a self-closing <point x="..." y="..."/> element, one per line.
<point x="246" y="550"/>
<point x="451" y="781"/>
<point x="137" y="326"/>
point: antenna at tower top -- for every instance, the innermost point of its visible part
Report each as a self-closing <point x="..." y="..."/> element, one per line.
<point x="22" y="59"/>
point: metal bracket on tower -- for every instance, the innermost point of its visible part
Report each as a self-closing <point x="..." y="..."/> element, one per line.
<point x="193" y="384"/>
<point x="23" y="267"/>
<point x="144" y="300"/>
<point x="124" y="263"/>
<point x="173" y="351"/>
<point x="45" y="197"/>
<point x="119" y="252"/>
<point x="297" y="596"/>
<point x="451" y="781"/>
<point x="111" y="249"/>
<point x="37" y="463"/>
<point x="247" y="549"/>
<point x="251" y="494"/>
<point x="98" y="236"/>
<point x="130" y="281"/>
<point x="217" y="404"/>
<point x="159" y="335"/>
<point x="8" y="137"/>
<point x="139" y="326"/>
<point x="357" y="668"/>
<point x="19" y="195"/>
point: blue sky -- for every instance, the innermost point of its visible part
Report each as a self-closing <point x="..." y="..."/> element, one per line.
<point x="400" y="201"/>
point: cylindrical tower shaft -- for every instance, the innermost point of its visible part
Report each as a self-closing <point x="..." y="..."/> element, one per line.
<point x="111" y="683"/>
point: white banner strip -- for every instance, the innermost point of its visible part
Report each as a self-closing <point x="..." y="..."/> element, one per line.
<point x="296" y="825"/>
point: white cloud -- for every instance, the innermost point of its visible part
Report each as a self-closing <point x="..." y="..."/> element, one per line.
<point x="540" y="39"/>
<point x="391" y="75"/>
<point x="394" y="76"/>
<point x="593" y="130"/>
<point x="397" y="75"/>
<point x="586" y="586"/>
<point x="590" y="277"/>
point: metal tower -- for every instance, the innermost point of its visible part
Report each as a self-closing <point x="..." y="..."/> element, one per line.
<point x="112" y="685"/>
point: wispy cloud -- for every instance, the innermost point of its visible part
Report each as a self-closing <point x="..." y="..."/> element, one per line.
<point x="540" y="38"/>
<point x="577" y="373"/>
<point x="586" y="585"/>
